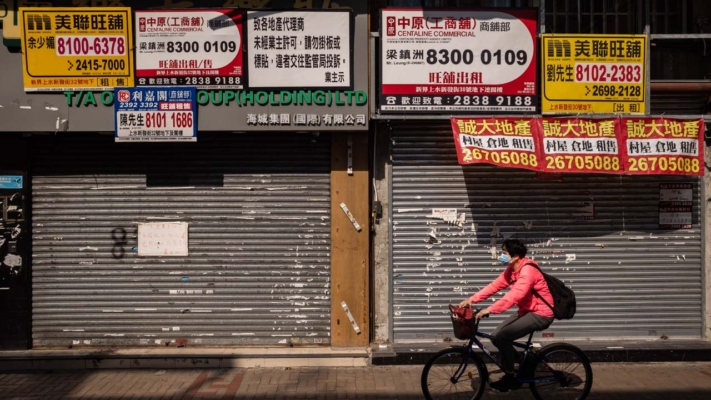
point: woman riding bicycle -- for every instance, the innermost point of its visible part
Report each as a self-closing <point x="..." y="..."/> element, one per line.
<point x="533" y="313"/>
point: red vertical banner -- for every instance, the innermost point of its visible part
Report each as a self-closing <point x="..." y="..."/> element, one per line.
<point x="504" y="142"/>
<point x="581" y="145"/>
<point x="662" y="146"/>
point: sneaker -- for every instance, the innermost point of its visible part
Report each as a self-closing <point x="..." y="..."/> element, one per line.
<point x="506" y="384"/>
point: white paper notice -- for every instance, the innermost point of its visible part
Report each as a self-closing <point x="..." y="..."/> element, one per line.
<point x="299" y="49"/>
<point x="163" y="239"/>
<point x="446" y="214"/>
<point x="676" y="201"/>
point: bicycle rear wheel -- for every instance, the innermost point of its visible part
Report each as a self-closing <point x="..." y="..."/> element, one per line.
<point x="445" y="377"/>
<point x="568" y="365"/>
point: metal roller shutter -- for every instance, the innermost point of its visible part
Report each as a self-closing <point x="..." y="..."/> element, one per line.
<point x="258" y="208"/>
<point x="624" y="270"/>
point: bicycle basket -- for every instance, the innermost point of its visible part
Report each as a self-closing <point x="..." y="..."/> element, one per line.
<point x="463" y="321"/>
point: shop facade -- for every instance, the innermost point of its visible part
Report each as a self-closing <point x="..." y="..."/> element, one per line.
<point x="445" y="216"/>
<point x="599" y="233"/>
<point x="255" y="240"/>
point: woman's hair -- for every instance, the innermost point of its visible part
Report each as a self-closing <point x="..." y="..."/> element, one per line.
<point x="515" y="248"/>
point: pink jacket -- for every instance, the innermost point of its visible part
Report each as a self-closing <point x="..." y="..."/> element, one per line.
<point x="522" y="282"/>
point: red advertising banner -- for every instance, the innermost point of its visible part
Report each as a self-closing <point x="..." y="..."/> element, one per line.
<point x="580" y="145"/>
<point x="505" y="142"/>
<point x="661" y="146"/>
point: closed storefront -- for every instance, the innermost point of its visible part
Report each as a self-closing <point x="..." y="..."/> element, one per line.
<point x="197" y="188"/>
<point x="257" y="268"/>
<point x="507" y="136"/>
<point x="599" y="233"/>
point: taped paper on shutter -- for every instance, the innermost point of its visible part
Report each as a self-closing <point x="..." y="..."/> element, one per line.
<point x="350" y="317"/>
<point x="350" y="154"/>
<point x="156" y="239"/>
<point x="350" y="217"/>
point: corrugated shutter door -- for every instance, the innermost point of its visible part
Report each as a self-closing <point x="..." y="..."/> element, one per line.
<point x="630" y="278"/>
<point x="258" y="208"/>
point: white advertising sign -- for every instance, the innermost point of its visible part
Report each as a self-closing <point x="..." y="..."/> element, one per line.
<point x="458" y="60"/>
<point x="299" y="49"/>
<point x="676" y="205"/>
<point x="163" y="239"/>
<point x="201" y="48"/>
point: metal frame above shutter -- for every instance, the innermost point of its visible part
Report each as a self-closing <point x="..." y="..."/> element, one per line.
<point x="631" y="279"/>
<point x="258" y="270"/>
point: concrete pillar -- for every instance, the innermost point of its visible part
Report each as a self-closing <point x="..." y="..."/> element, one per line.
<point x="381" y="239"/>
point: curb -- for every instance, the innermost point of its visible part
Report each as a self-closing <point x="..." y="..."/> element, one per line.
<point x="92" y="361"/>
<point x="692" y="351"/>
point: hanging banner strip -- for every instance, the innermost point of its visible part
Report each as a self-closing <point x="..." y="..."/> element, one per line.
<point x="661" y="146"/>
<point x="630" y="146"/>
<point x="580" y="145"/>
<point x="505" y="142"/>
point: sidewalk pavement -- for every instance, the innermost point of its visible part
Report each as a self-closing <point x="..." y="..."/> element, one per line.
<point x="687" y="381"/>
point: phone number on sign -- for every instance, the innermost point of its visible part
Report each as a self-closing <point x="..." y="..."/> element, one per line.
<point x="175" y="120"/>
<point x="97" y="65"/>
<point x="500" y="157"/>
<point x="585" y="72"/>
<point x="664" y="164"/>
<point x="500" y="100"/>
<point x="591" y="163"/>
<point x="91" y="46"/>
<point x="612" y="90"/>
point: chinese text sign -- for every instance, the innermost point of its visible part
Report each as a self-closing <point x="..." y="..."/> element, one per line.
<point x="580" y="145"/>
<point x="300" y="49"/>
<point x="65" y="49"/>
<point x="156" y="114"/>
<point x="464" y="61"/>
<point x="201" y="48"/>
<point x="505" y="142"/>
<point x="662" y="146"/>
<point x="593" y="74"/>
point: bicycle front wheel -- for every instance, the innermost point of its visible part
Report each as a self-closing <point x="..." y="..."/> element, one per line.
<point x="565" y="375"/>
<point x="449" y="375"/>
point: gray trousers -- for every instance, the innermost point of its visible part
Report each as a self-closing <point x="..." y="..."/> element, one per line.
<point x="514" y="328"/>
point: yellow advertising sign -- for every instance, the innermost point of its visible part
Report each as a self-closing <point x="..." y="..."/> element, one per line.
<point x="599" y="74"/>
<point x="76" y="48"/>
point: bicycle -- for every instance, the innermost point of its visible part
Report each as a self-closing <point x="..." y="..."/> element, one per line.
<point x="536" y="368"/>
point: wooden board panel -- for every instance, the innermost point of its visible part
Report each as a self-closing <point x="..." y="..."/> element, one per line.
<point x="350" y="248"/>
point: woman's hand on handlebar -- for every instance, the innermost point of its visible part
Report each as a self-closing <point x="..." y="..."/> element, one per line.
<point x="481" y="314"/>
<point x="467" y="303"/>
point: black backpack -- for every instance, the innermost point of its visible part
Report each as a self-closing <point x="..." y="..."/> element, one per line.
<point x="563" y="298"/>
